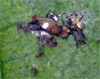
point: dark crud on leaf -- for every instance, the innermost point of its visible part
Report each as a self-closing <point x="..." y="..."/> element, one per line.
<point x="40" y="53"/>
<point x="34" y="71"/>
<point x="98" y="41"/>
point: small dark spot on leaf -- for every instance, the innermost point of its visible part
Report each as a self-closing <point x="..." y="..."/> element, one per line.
<point x="72" y="3"/>
<point x="94" y="62"/>
<point x="20" y="67"/>
<point x="27" y="66"/>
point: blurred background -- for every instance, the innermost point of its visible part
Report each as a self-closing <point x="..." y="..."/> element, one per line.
<point x="66" y="61"/>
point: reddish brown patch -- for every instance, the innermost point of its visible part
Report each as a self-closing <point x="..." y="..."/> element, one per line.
<point x="63" y="34"/>
<point x="39" y="54"/>
<point x="56" y="29"/>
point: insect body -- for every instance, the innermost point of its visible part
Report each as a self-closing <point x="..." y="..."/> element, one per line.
<point x="45" y="27"/>
<point x="51" y="26"/>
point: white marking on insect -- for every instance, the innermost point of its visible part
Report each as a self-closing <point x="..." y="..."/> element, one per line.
<point x="45" y="25"/>
<point x="36" y="33"/>
<point x="79" y="26"/>
<point x="51" y="13"/>
<point x="55" y="18"/>
<point x="44" y="33"/>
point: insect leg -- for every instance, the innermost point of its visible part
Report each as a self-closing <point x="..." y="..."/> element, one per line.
<point x="79" y="37"/>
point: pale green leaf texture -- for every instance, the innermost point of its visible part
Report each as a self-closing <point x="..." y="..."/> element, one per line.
<point x="18" y="50"/>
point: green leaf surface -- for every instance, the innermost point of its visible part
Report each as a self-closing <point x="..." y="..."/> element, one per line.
<point x="18" y="50"/>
